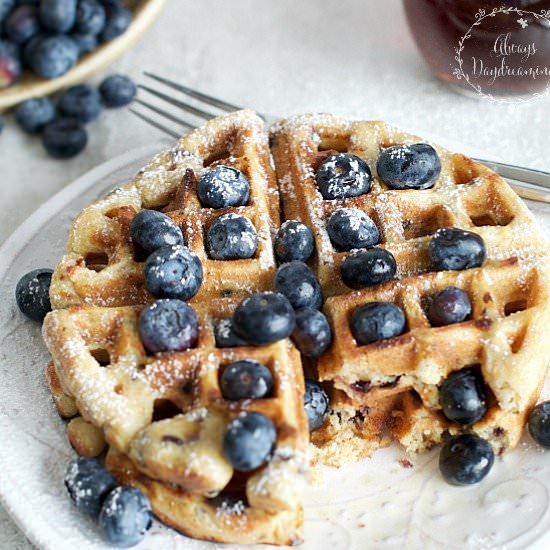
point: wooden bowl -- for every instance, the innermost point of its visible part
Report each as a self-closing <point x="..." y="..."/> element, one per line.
<point x="30" y="85"/>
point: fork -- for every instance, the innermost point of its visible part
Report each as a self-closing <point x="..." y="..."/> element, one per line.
<point x="526" y="182"/>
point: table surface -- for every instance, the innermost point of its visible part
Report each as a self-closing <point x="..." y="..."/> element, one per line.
<point x="349" y="57"/>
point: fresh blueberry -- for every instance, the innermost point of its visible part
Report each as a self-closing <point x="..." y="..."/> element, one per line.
<point x="81" y="102"/>
<point x="298" y="283"/>
<point x="225" y="335"/>
<point x="117" y="90"/>
<point x="264" y="317"/>
<point x="125" y="517"/>
<point x="22" y="24"/>
<point x="294" y="241"/>
<point x="343" y="175"/>
<point x="368" y="268"/>
<point x="117" y="21"/>
<point x="350" y="228"/>
<point x="5" y="8"/>
<point x="315" y="404"/>
<point x="32" y="294"/>
<point x="58" y="15"/>
<point x="465" y="459"/>
<point x="173" y="272"/>
<point x="312" y="334"/>
<point x="52" y="56"/>
<point x="451" y="305"/>
<point x="10" y="64"/>
<point x="414" y="166"/>
<point x="33" y="114"/>
<point x="462" y="396"/>
<point x="231" y="237"/>
<point x="539" y="424"/>
<point x="249" y="440"/>
<point x="223" y="186"/>
<point x="88" y="484"/>
<point x="454" y="249"/>
<point x="86" y="42"/>
<point x="377" y="321"/>
<point x="151" y="230"/>
<point x="90" y="17"/>
<point x="168" y="325"/>
<point x="246" y="379"/>
<point x="64" y="138"/>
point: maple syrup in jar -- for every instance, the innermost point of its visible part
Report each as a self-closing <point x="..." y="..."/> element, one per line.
<point x="507" y="54"/>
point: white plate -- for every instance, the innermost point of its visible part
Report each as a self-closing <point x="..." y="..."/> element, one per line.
<point x="377" y="503"/>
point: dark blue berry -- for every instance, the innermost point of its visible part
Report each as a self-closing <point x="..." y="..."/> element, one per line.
<point x="10" y="64"/>
<point x="462" y="396"/>
<point x="64" y="138"/>
<point x="249" y="440"/>
<point x="22" y="24"/>
<point x="454" y="249"/>
<point x="88" y="484"/>
<point x="117" y="90"/>
<point x="225" y="335"/>
<point x="539" y="424"/>
<point x="246" y="379"/>
<point x="117" y="20"/>
<point x="5" y="8"/>
<point x="414" y="166"/>
<point x="350" y="228"/>
<point x="315" y="404"/>
<point x="33" y="114"/>
<point x="125" y="517"/>
<point x="90" y="17"/>
<point x="298" y="283"/>
<point x="52" y="56"/>
<point x="86" y="42"/>
<point x="81" y="102"/>
<point x="451" y="305"/>
<point x="168" y="325"/>
<point x="223" y="186"/>
<point x="465" y="459"/>
<point x="368" y="268"/>
<point x="231" y="237"/>
<point x="263" y="318"/>
<point x="377" y="321"/>
<point x="173" y="272"/>
<point x="343" y="175"/>
<point x="312" y="334"/>
<point x="151" y="230"/>
<point x="32" y="294"/>
<point x="294" y="241"/>
<point x="58" y="15"/>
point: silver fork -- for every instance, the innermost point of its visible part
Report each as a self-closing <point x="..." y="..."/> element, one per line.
<point x="526" y="182"/>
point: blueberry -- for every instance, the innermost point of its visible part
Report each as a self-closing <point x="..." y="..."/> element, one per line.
<point x="117" y="21"/>
<point x="451" y="305"/>
<point x="5" y="8"/>
<point x="88" y="484"/>
<point x="246" y="379"/>
<point x="343" y="175"/>
<point x="539" y="424"/>
<point x="81" y="102"/>
<point x="168" y="325"/>
<point x="249" y="440"/>
<point x="173" y="272"/>
<point x="315" y="404"/>
<point x="298" y="283"/>
<point x="32" y="294"/>
<point x="52" y="56"/>
<point x="462" y="396"/>
<point x="351" y="228"/>
<point x="223" y="186"/>
<point x="117" y="90"/>
<point x="263" y="318"/>
<point x="33" y="114"/>
<point x="465" y="459"/>
<point x="58" y="15"/>
<point x="90" y="17"/>
<point x="64" y="138"/>
<point x="294" y="241"/>
<point x="86" y="43"/>
<point x="454" y="249"/>
<point x="152" y="230"/>
<point x="10" y="64"/>
<point x="22" y="24"/>
<point x="225" y="335"/>
<point x="377" y="321"/>
<point x="312" y="334"/>
<point x="125" y="517"/>
<point x="231" y="237"/>
<point x="368" y="268"/>
<point x="414" y="166"/>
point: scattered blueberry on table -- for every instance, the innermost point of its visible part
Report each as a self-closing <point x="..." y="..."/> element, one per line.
<point x="315" y="404"/>
<point x="32" y="294"/>
<point x="117" y="90"/>
<point x="32" y="115"/>
<point x="246" y="379"/>
<point x="64" y="138"/>
<point x="82" y="102"/>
